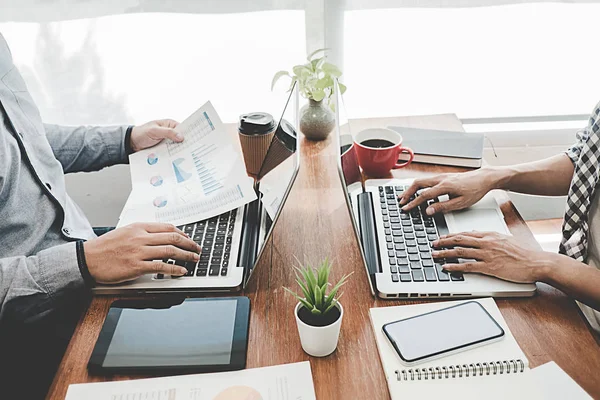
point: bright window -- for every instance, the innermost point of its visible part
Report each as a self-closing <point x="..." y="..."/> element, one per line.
<point x="510" y="60"/>
<point x="137" y="67"/>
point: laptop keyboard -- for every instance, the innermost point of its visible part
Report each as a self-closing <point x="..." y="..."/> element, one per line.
<point x="215" y="235"/>
<point x="409" y="238"/>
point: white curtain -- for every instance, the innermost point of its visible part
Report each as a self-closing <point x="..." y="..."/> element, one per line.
<point x="374" y="4"/>
<point x="55" y="10"/>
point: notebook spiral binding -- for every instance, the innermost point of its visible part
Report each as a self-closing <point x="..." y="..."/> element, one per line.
<point x="458" y="371"/>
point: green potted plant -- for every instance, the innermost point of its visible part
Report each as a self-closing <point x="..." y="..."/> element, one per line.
<point x="315" y="81"/>
<point x="318" y="312"/>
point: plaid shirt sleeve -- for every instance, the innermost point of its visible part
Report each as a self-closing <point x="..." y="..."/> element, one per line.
<point x="584" y="134"/>
<point x="575" y="150"/>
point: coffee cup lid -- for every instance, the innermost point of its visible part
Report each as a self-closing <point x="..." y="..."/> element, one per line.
<point x="287" y="135"/>
<point x="256" y="123"/>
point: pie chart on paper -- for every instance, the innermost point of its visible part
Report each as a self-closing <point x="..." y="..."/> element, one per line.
<point x="156" y="180"/>
<point x="239" y="393"/>
<point x="160" y="202"/>
<point x="152" y="159"/>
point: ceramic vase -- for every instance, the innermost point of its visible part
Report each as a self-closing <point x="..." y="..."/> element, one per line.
<point x="316" y="120"/>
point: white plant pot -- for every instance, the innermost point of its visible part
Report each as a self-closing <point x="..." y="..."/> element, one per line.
<point x="319" y="341"/>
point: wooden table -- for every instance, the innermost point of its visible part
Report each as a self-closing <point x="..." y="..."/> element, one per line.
<point x="315" y="224"/>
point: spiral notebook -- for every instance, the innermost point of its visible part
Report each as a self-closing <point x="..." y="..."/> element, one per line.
<point x="496" y="371"/>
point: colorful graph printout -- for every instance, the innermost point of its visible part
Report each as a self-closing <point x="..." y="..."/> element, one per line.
<point x="198" y="178"/>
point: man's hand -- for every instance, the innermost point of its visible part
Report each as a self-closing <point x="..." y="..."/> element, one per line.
<point x="152" y="133"/>
<point x="464" y="189"/>
<point x="128" y="253"/>
<point x="497" y="255"/>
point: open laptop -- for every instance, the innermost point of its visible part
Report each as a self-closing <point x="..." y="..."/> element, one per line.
<point x="233" y="242"/>
<point x="396" y="245"/>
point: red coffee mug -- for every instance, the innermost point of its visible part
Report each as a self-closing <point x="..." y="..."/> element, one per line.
<point x="378" y="150"/>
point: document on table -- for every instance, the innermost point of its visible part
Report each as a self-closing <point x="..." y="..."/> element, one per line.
<point x="280" y="382"/>
<point x="274" y="185"/>
<point x="199" y="178"/>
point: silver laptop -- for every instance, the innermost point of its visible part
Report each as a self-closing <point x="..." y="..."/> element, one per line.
<point x="396" y="245"/>
<point x="233" y="242"/>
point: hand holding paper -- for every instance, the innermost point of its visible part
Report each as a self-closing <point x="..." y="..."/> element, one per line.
<point x="152" y="133"/>
<point x="185" y="182"/>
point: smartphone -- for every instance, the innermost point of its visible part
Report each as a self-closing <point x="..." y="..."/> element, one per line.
<point x="443" y="332"/>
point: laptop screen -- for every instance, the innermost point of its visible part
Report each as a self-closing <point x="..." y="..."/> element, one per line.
<point x="274" y="179"/>
<point x="348" y="169"/>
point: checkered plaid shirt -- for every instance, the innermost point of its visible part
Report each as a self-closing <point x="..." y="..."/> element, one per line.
<point x="585" y="155"/>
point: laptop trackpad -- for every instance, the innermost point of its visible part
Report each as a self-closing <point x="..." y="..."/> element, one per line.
<point x="477" y="219"/>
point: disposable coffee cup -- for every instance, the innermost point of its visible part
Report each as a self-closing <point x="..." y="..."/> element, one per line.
<point x="256" y="130"/>
<point x="282" y="146"/>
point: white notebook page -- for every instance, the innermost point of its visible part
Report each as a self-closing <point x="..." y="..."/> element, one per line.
<point x="546" y="382"/>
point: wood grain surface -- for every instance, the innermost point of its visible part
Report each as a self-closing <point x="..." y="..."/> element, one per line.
<point x="314" y="224"/>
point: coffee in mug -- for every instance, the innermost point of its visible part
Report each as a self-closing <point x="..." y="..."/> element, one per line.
<point x="256" y="130"/>
<point x="378" y="150"/>
<point x="377" y="143"/>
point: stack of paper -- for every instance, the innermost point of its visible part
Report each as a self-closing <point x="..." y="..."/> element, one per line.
<point x="199" y="178"/>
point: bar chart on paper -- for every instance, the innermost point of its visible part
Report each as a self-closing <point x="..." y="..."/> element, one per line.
<point x="207" y="169"/>
<point x="198" y="208"/>
<point x="162" y="394"/>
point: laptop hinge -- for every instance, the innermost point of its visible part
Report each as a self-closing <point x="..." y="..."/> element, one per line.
<point x="368" y="233"/>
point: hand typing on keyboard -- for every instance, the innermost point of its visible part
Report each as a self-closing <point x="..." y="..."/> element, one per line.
<point x="464" y="189"/>
<point x="497" y="255"/>
<point x="215" y="236"/>
<point x="135" y="250"/>
<point x="409" y="236"/>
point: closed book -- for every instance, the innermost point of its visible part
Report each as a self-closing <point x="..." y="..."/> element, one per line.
<point x="460" y="149"/>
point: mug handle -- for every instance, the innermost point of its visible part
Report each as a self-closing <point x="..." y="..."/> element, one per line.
<point x="410" y="153"/>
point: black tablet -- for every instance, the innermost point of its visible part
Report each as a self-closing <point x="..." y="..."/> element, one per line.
<point x="160" y="336"/>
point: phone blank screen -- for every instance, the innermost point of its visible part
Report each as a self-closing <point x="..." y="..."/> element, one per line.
<point x="441" y="331"/>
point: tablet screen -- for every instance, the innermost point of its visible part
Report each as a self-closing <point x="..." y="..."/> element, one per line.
<point x="191" y="333"/>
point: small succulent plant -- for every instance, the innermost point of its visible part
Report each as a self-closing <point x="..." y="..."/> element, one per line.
<point x="314" y="283"/>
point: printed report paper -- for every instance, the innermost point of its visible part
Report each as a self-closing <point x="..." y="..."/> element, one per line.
<point x="274" y="185"/>
<point x="199" y="178"/>
<point x="280" y="382"/>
